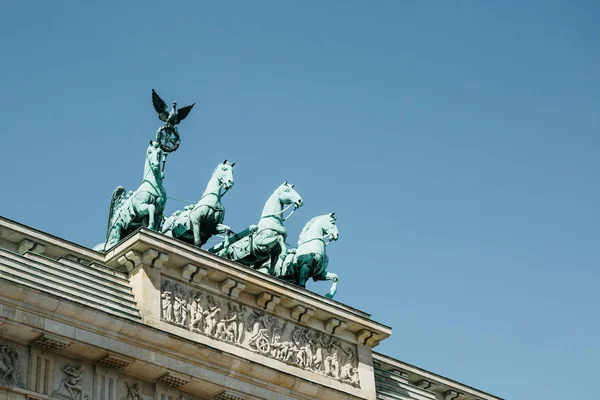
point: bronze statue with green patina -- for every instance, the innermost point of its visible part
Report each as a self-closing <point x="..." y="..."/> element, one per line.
<point x="196" y="224"/>
<point x="267" y="240"/>
<point x="310" y="259"/>
<point x="144" y="207"/>
<point x="168" y="135"/>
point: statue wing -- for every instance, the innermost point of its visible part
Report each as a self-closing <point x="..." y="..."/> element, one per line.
<point x="116" y="201"/>
<point x="183" y="112"/>
<point x="160" y="106"/>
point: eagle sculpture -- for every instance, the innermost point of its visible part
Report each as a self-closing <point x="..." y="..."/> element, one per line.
<point x="173" y="117"/>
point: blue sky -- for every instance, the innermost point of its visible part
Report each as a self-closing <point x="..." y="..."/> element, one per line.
<point x="457" y="142"/>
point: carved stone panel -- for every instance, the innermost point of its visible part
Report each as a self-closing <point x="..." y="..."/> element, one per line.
<point x="133" y="391"/>
<point x="71" y="386"/>
<point x="10" y="366"/>
<point x="257" y="331"/>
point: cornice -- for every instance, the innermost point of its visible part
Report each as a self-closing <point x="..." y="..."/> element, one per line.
<point x="445" y="387"/>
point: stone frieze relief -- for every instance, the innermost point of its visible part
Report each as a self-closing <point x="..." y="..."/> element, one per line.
<point x="257" y="331"/>
<point x="70" y="388"/>
<point x="9" y="367"/>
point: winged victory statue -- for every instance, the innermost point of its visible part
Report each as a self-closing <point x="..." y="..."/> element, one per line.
<point x="167" y="135"/>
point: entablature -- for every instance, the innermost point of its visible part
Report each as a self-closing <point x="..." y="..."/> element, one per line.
<point x="146" y="291"/>
<point x="206" y="271"/>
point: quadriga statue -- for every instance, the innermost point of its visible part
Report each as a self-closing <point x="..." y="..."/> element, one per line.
<point x="196" y="224"/>
<point x="310" y="259"/>
<point x="267" y="241"/>
<point x="144" y="207"/>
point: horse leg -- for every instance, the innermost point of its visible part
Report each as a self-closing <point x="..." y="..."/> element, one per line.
<point x="151" y="222"/>
<point x="264" y="268"/>
<point x="148" y="209"/>
<point x="303" y="274"/>
<point x="277" y="251"/>
<point x="196" y="230"/>
<point x="332" y="277"/>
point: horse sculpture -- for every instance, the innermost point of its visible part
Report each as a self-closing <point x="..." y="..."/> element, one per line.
<point x="310" y="259"/>
<point x="267" y="241"/>
<point x="196" y="224"/>
<point x="144" y="207"/>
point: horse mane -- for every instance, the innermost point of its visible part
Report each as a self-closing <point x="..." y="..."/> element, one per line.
<point x="218" y="166"/>
<point x="306" y="228"/>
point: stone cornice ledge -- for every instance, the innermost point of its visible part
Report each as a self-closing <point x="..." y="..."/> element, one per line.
<point x="181" y="256"/>
<point x="15" y="232"/>
<point x="445" y="387"/>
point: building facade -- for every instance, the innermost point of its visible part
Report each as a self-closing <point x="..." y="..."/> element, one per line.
<point x="158" y="319"/>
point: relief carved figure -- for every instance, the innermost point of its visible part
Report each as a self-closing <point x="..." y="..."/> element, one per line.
<point x="71" y="383"/>
<point x="210" y="316"/>
<point x="180" y="310"/>
<point x="286" y="351"/>
<point x="304" y="356"/>
<point x="9" y="366"/>
<point x="277" y="343"/>
<point x="166" y="302"/>
<point x="196" y="312"/>
<point x="332" y="362"/>
<point x="227" y="328"/>
<point x="320" y="346"/>
<point x="349" y="372"/>
<point x="133" y="392"/>
<point x="259" y="332"/>
<point x="241" y="313"/>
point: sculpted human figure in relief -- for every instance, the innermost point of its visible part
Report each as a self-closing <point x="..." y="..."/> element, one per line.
<point x="167" y="302"/>
<point x="72" y="383"/>
<point x="197" y="313"/>
<point x="260" y="332"/>
<point x="332" y="362"/>
<point x="349" y="371"/>
<point x="210" y="316"/>
<point x="180" y="305"/>
<point x="241" y="312"/>
<point x="320" y="345"/>
<point x="133" y="392"/>
<point x="9" y="366"/>
<point x="227" y="327"/>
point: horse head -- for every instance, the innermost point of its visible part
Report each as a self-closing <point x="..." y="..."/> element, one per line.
<point x="287" y="195"/>
<point x="319" y="228"/>
<point x="329" y="227"/>
<point x="154" y="156"/>
<point x="224" y="174"/>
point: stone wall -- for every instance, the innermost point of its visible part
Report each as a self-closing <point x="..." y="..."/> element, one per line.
<point x="31" y="372"/>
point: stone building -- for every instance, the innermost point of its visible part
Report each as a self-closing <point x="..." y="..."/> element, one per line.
<point x="157" y="319"/>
